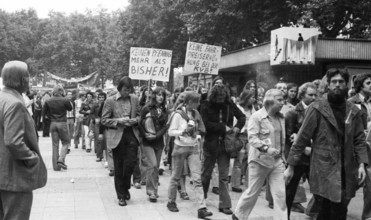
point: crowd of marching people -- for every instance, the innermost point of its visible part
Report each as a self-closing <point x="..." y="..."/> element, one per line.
<point x="274" y="138"/>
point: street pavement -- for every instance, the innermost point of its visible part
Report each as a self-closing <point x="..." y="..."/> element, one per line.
<point x="85" y="191"/>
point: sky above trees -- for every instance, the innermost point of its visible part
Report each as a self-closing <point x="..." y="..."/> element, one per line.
<point x="74" y="45"/>
<point x="43" y="7"/>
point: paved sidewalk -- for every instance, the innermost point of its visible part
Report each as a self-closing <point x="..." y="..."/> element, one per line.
<point x="91" y="195"/>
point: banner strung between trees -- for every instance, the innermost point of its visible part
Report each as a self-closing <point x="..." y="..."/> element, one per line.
<point x="149" y="63"/>
<point x="202" y="59"/>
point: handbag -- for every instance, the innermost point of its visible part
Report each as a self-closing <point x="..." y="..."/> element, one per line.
<point x="232" y="142"/>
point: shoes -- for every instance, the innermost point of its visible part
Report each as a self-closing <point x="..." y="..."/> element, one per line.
<point x="234" y="217"/>
<point x="137" y="186"/>
<point x="99" y="160"/>
<point x="122" y="202"/>
<point x="172" y="207"/>
<point x="160" y="171"/>
<point x="83" y="147"/>
<point x="270" y="205"/>
<point x="153" y="198"/>
<point x="202" y="213"/>
<point x="111" y="173"/>
<point x="184" y="196"/>
<point x="76" y="146"/>
<point x="215" y="190"/>
<point x="62" y="165"/>
<point x="226" y="211"/>
<point x="88" y="150"/>
<point x="127" y="195"/>
<point x="236" y="189"/>
<point x="297" y="207"/>
<point x="68" y="151"/>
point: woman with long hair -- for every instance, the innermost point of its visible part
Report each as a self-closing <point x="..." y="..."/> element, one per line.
<point x="153" y="127"/>
<point x="187" y="127"/>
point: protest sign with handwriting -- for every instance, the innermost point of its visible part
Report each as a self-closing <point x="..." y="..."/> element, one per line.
<point x="202" y="59"/>
<point x="150" y="63"/>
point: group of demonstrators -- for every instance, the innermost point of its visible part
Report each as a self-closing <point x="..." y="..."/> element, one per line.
<point x="289" y="134"/>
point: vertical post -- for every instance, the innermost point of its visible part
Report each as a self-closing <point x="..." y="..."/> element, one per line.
<point x="198" y="81"/>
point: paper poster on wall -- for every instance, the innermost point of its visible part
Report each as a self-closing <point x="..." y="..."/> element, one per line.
<point x="202" y="59"/>
<point x="293" y="45"/>
<point x="150" y="63"/>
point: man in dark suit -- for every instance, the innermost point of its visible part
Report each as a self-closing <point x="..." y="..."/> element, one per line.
<point x="121" y="116"/>
<point x="22" y="168"/>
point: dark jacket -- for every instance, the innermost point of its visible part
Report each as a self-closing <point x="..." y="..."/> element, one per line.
<point x="293" y="121"/>
<point x="56" y="109"/>
<point x="365" y="118"/>
<point x="215" y="129"/>
<point x="85" y="107"/>
<point x="160" y="123"/>
<point x="22" y="168"/>
<point x="321" y="126"/>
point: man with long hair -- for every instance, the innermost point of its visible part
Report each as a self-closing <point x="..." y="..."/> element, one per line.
<point x="218" y="113"/>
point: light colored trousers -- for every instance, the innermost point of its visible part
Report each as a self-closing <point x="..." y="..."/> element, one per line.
<point x="257" y="175"/>
<point x="192" y="155"/>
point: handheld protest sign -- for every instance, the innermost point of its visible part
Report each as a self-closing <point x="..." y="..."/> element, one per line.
<point x="202" y="59"/>
<point x="150" y="63"/>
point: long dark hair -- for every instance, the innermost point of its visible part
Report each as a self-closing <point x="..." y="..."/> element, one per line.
<point x="245" y="97"/>
<point x="217" y="89"/>
<point x="143" y="97"/>
<point x="158" y="90"/>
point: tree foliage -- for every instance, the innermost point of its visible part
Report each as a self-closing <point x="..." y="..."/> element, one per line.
<point x="78" y="44"/>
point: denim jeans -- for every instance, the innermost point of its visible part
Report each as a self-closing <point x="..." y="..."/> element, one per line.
<point x="257" y="175"/>
<point x="222" y="158"/>
<point x="79" y="132"/>
<point x="192" y="155"/>
<point x="59" y="131"/>
<point x="236" y="169"/>
<point x="153" y="156"/>
<point x="70" y="126"/>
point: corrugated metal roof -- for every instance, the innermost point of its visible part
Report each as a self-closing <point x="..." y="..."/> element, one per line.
<point x="346" y="49"/>
<point x="343" y="49"/>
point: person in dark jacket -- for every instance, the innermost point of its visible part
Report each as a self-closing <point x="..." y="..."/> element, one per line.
<point x="96" y="124"/>
<point x="37" y="107"/>
<point x="86" y="110"/>
<point x="217" y="114"/>
<point x="339" y="150"/>
<point x="153" y="138"/>
<point x="56" y="109"/>
<point x="293" y="121"/>
<point x="362" y="86"/>
<point x="22" y="168"/>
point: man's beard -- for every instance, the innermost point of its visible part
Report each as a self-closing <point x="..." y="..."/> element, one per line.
<point x="337" y="96"/>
